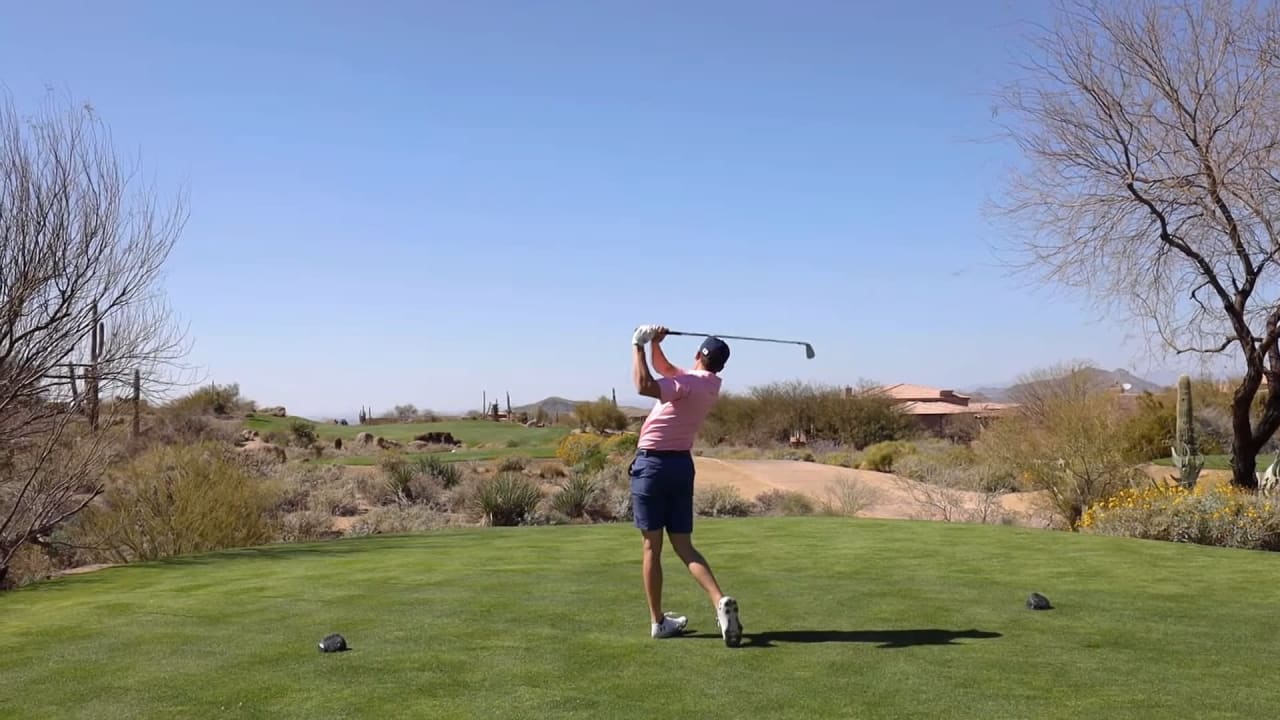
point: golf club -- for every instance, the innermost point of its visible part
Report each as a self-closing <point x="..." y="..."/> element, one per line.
<point x="808" y="349"/>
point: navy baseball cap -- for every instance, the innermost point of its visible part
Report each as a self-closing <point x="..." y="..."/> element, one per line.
<point x="714" y="353"/>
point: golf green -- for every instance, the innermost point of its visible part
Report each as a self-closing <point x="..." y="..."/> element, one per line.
<point x="844" y="618"/>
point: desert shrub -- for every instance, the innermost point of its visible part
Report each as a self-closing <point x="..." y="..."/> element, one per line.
<point x="795" y="454"/>
<point x="398" y="472"/>
<point x="515" y="463"/>
<point x="784" y="502"/>
<point x="950" y="470"/>
<point x="211" y="399"/>
<point x="720" y="501"/>
<point x="960" y="428"/>
<point x="843" y="459"/>
<point x="618" y="503"/>
<point x="551" y="471"/>
<point x="847" y="496"/>
<point x="768" y="414"/>
<point x="303" y="433"/>
<point x="397" y="519"/>
<point x="881" y="456"/>
<point x="418" y="480"/>
<point x="622" y="444"/>
<point x="505" y="498"/>
<point x="28" y="565"/>
<point x="319" y="488"/>
<point x="178" y="428"/>
<point x="593" y="463"/>
<point x="600" y="415"/>
<point x="578" y="496"/>
<point x="446" y="473"/>
<point x="305" y="525"/>
<point x="338" y="498"/>
<point x="577" y="448"/>
<point x="733" y="452"/>
<point x="276" y="437"/>
<point x="1065" y="439"/>
<point x="178" y="500"/>
<point x="1223" y="515"/>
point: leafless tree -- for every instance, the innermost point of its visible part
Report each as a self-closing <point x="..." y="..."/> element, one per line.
<point x="81" y="251"/>
<point x="1151" y="134"/>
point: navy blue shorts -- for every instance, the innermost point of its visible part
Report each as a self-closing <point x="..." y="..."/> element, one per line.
<point x="662" y="491"/>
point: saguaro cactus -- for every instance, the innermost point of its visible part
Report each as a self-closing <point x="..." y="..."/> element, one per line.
<point x="97" y="338"/>
<point x="1186" y="452"/>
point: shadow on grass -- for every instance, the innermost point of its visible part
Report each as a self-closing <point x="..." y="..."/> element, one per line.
<point x="879" y="638"/>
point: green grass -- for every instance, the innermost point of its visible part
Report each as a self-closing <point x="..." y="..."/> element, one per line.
<point x="844" y="618"/>
<point x="1219" y="462"/>
<point x="536" y="453"/>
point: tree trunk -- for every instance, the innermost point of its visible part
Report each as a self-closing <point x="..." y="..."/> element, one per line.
<point x="137" y="403"/>
<point x="1244" y="461"/>
<point x="1244" y="452"/>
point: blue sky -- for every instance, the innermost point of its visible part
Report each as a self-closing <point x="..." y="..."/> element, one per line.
<point x="375" y="189"/>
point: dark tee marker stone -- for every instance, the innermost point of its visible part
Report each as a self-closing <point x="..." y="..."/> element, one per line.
<point x="333" y="643"/>
<point x="1036" y="601"/>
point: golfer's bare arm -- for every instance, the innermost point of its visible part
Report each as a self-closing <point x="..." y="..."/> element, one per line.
<point x="661" y="363"/>
<point x="646" y="385"/>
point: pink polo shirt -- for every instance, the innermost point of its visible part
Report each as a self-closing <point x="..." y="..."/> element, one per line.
<point x="685" y="400"/>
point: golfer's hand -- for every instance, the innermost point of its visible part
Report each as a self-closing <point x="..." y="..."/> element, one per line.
<point x="644" y="334"/>
<point x="659" y="334"/>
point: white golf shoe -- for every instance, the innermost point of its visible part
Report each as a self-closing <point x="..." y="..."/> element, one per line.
<point x="671" y="626"/>
<point x="727" y="617"/>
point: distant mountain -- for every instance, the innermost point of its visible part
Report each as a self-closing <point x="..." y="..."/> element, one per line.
<point x="1102" y="378"/>
<point x="552" y="406"/>
<point x="561" y="406"/>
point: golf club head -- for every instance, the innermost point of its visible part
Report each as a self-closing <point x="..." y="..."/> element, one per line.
<point x="808" y="351"/>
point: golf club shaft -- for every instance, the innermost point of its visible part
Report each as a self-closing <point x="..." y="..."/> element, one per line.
<point x="738" y="337"/>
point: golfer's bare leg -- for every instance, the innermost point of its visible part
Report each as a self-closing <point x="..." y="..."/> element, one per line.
<point x="698" y="567"/>
<point x="653" y="572"/>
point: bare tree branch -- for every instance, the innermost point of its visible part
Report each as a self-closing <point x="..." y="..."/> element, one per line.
<point x="82" y="245"/>
<point x="1151" y="132"/>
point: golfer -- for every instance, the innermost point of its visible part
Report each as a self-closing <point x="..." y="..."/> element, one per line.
<point x="662" y="473"/>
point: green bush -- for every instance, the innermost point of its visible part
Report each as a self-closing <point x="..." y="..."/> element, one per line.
<point x="303" y="432"/>
<point x="622" y="444"/>
<point x="784" y="502"/>
<point x="506" y="499"/>
<point x="767" y="415"/>
<point x="600" y="415"/>
<point x="881" y="456"/>
<point x="179" y="500"/>
<point x="849" y="460"/>
<point x="720" y="501"/>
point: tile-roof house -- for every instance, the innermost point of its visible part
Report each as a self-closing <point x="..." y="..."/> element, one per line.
<point x="932" y="406"/>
